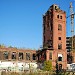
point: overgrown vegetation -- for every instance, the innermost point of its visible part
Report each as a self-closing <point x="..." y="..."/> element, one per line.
<point x="37" y="73"/>
<point x="48" y="65"/>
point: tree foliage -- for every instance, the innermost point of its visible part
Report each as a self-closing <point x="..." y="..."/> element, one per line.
<point x="2" y="46"/>
<point x="48" y="65"/>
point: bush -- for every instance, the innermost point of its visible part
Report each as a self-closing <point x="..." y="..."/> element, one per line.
<point x="48" y="65"/>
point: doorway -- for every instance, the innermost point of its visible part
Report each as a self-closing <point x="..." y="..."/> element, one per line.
<point x="60" y="67"/>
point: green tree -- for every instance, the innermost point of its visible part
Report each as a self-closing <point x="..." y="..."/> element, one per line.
<point x="48" y="65"/>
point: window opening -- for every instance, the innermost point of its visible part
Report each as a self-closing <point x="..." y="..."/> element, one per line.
<point x="13" y="55"/>
<point x="5" y="55"/>
<point x="27" y="56"/>
<point x="20" y="55"/>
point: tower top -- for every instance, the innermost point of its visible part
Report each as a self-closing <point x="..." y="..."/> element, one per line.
<point x="54" y="7"/>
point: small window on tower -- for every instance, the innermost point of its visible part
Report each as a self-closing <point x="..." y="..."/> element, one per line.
<point x="59" y="38"/>
<point x="57" y="16"/>
<point x="60" y="17"/>
<point x="56" y="7"/>
<point x="59" y="46"/>
<point x="59" y="27"/>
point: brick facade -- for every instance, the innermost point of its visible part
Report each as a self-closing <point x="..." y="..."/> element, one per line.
<point x="54" y="36"/>
<point x="14" y="54"/>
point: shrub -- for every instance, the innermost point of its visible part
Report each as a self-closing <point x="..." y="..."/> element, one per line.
<point x="48" y="65"/>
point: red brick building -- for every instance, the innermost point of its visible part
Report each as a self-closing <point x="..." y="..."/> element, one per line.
<point x="13" y="59"/>
<point x="54" y="37"/>
<point x="14" y="54"/>
<point x="54" y="42"/>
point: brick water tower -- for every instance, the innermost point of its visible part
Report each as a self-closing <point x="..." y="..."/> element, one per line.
<point x="54" y="36"/>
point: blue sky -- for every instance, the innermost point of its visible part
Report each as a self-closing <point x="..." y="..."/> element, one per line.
<point x="21" y="21"/>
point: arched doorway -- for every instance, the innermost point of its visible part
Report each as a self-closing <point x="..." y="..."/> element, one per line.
<point x="60" y="67"/>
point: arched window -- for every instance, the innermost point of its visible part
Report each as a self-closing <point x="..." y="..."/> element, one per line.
<point x="59" y="46"/>
<point x="59" y="27"/>
<point x="60" y="56"/>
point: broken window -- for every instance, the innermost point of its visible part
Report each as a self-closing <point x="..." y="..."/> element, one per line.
<point x="60" y="17"/>
<point x="57" y="16"/>
<point x="59" y="38"/>
<point x="59" y="27"/>
<point x="13" y="55"/>
<point x="27" y="56"/>
<point x="20" y="55"/>
<point x="5" y="54"/>
<point x="34" y="56"/>
<point x="60" y="57"/>
<point x="59" y="46"/>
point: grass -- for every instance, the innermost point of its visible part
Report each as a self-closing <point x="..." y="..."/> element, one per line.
<point x="24" y="73"/>
<point x="36" y="73"/>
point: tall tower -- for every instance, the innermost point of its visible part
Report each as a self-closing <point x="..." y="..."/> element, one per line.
<point x="54" y="35"/>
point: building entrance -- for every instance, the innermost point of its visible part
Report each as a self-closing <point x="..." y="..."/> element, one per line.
<point x="60" y="66"/>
